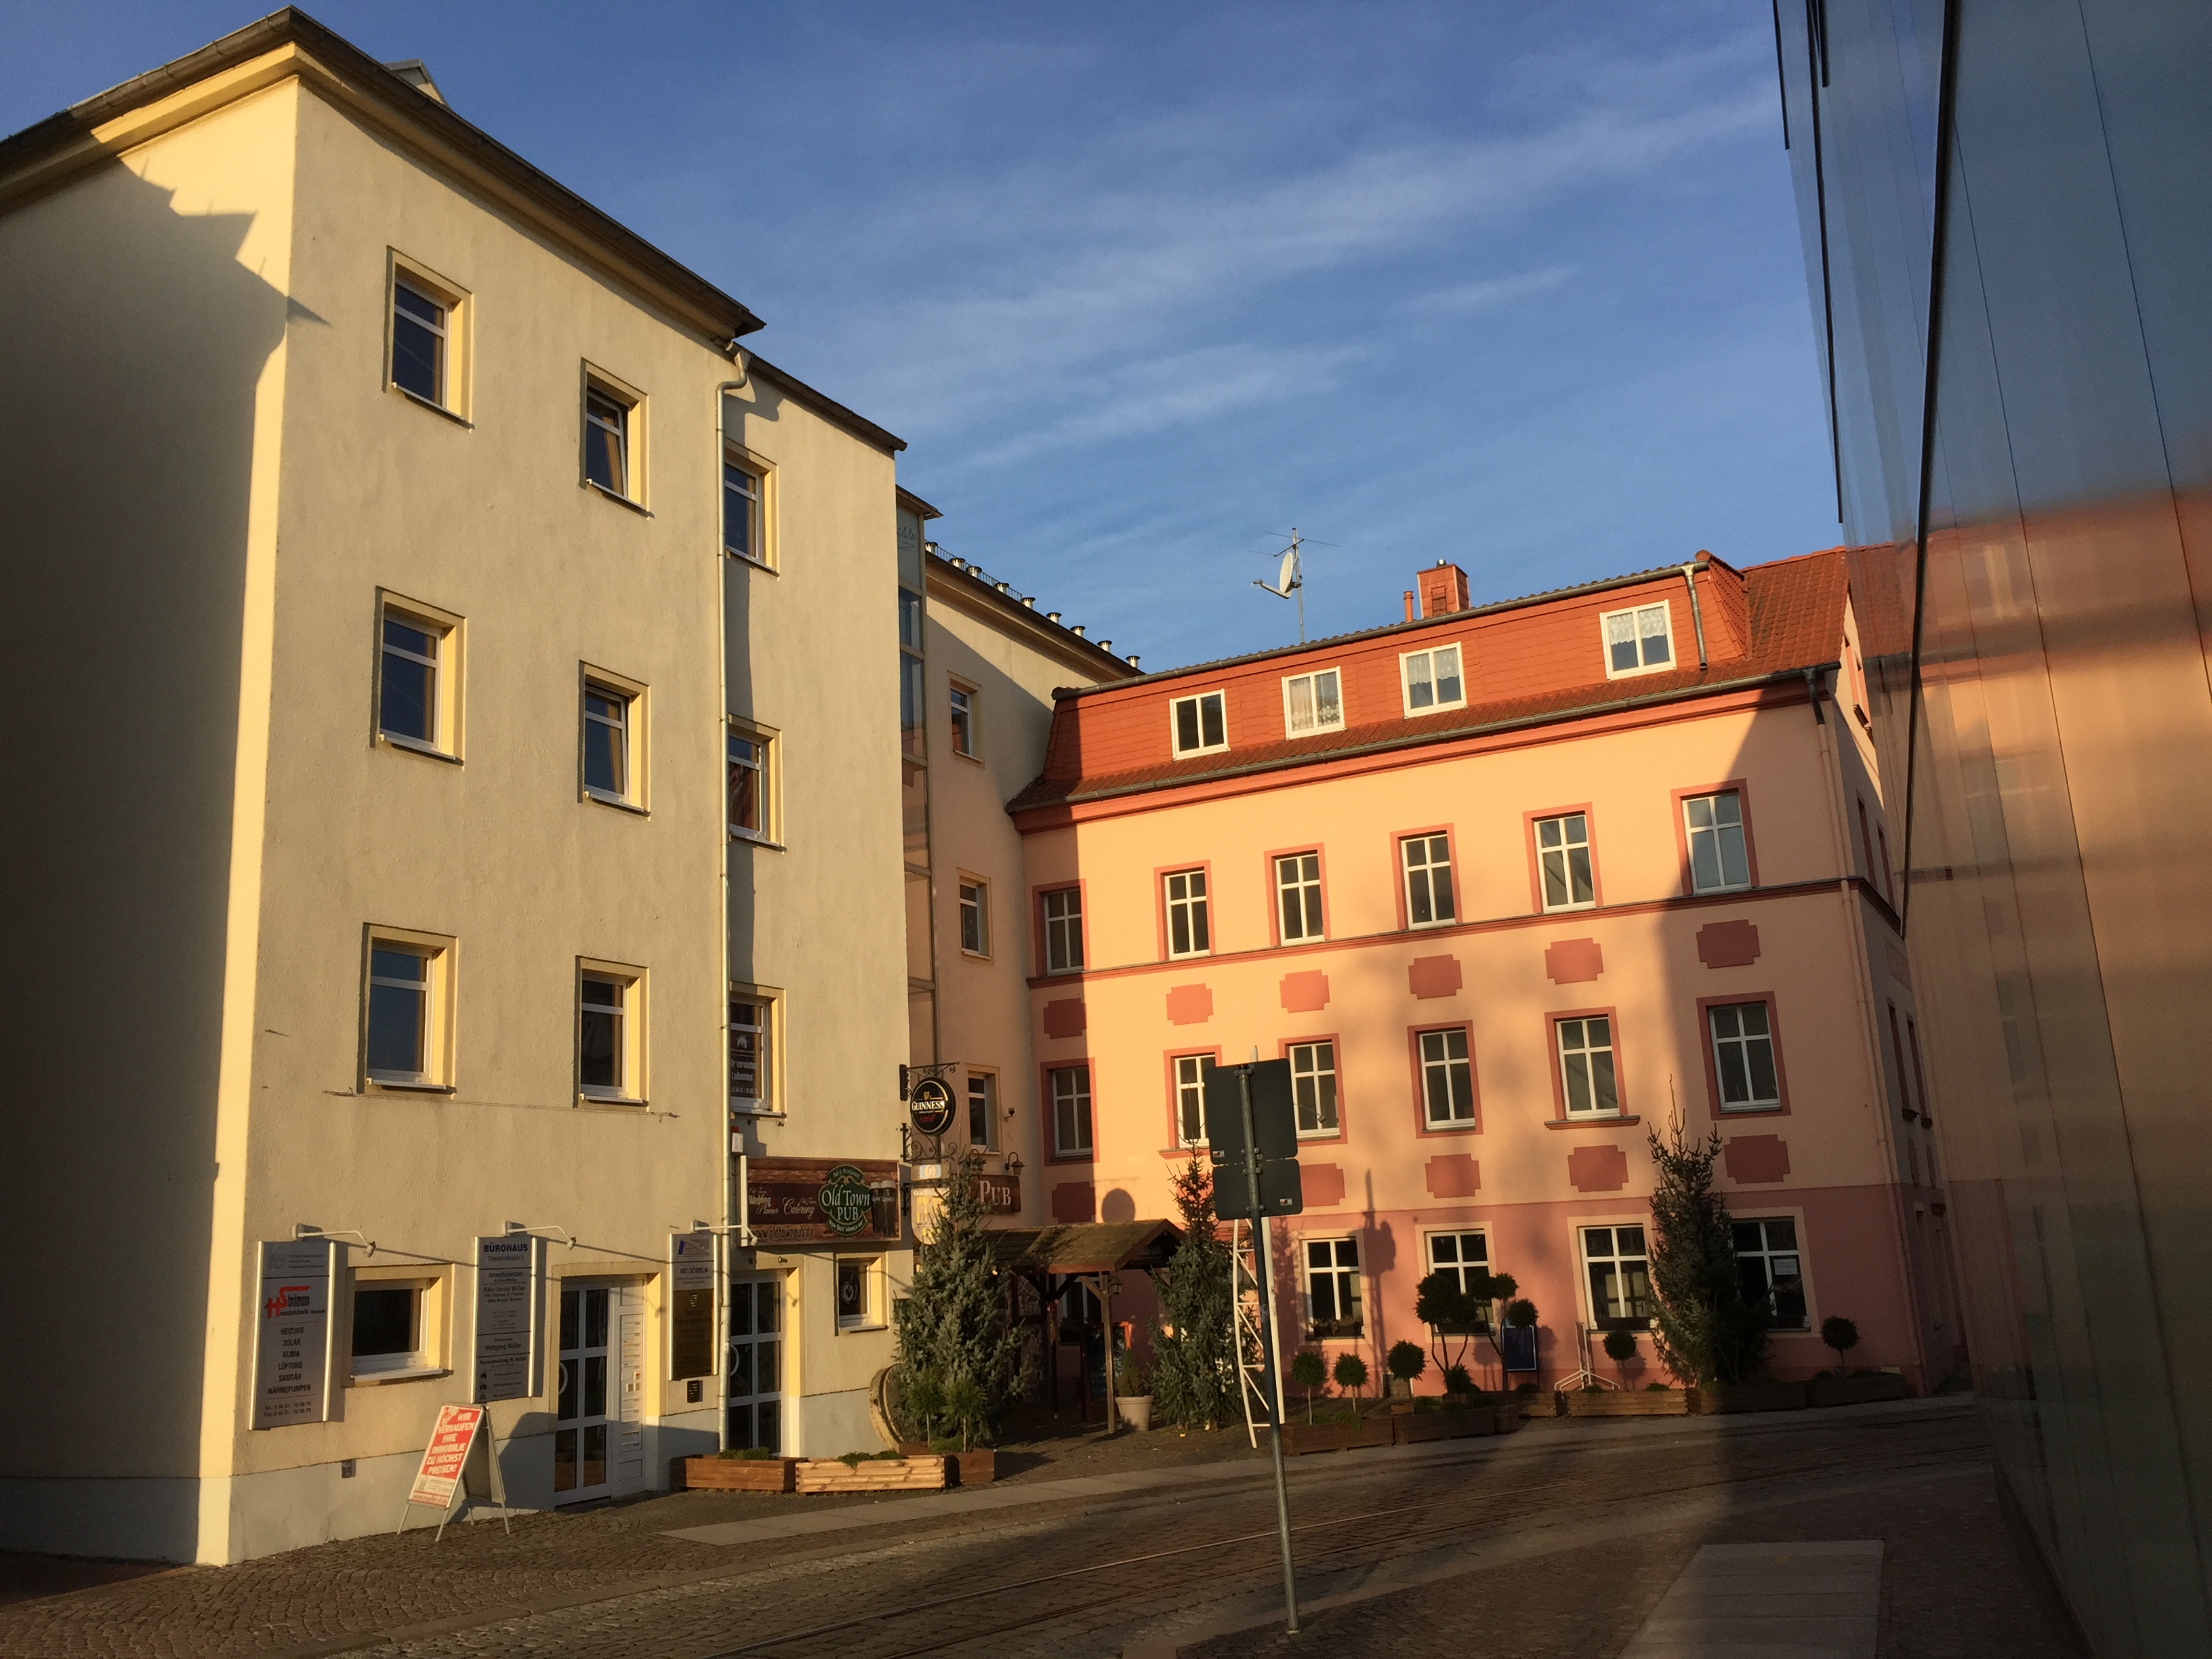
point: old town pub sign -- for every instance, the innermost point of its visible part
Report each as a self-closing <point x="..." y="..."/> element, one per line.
<point x="812" y="1200"/>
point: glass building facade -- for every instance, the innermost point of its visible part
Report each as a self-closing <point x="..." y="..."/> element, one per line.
<point x="2007" y="214"/>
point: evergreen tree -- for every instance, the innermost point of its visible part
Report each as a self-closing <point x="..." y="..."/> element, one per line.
<point x="1194" y="1336"/>
<point x="1709" y="1331"/>
<point x="956" y="1347"/>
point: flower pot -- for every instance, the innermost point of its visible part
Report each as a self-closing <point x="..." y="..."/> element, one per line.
<point x="817" y="1474"/>
<point x="1136" y="1410"/>
<point x="1368" y="1430"/>
<point x="730" y="1473"/>
<point x="1623" y="1402"/>
<point x="1721" y="1398"/>
<point x="1829" y="1389"/>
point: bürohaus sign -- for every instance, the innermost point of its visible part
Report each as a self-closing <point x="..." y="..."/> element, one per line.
<point x="821" y="1201"/>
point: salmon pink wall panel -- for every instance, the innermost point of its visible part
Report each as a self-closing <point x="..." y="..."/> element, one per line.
<point x="1433" y="977"/>
<point x="1728" y="943"/>
<point x="1755" y="1159"/>
<point x="1598" y="1168"/>
<point x="1306" y="993"/>
<point x="1454" y="1175"/>
<point x="1064" y="1018"/>
<point x="1573" y="960"/>
<point x="1322" y="1185"/>
<point x="1189" y="1005"/>
<point x="1074" y="1201"/>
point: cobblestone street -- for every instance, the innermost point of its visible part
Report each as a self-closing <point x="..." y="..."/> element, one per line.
<point x="1557" y="1540"/>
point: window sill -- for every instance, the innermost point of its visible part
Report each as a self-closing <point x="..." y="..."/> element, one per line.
<point x="615" y="801"/>
<point x="605" y="494"/>
<point x="401" y="1086"/>
<point x="1067" y="1160"/>
<point x="421" y="401"/>
<point x="974" y="955"/>
<point x="754" y="1109"/>
<point x="1428" y="926"/>
<point x="1649" y="668"/>
<point x="416" y="746"/>
<point x="972" y="760"/>
<point x="844" y="1329"/>
<point x="1469" y="1128"/>
<point x="409" y="1374"/>
<point x="1721" y="892"/>
<point x="761" y="565"/>
<point x="761" y="842"/>
<point x="1434" y="709"/>
<point x="1567" y="909"/>
<point x="619" y="1103"/>
<point x="1618" y="1119"/>
<point x="1190" y="956"/>
<point x="1197" y="754"/>
<point x="1778" y="1109"/>
<point x="1197" y="1148"/>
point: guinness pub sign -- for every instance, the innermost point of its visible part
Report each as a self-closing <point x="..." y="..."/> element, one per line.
<point x="817" y="1201"/>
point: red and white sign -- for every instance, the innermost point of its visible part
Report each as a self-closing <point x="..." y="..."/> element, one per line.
<point x="447" y="1456"/>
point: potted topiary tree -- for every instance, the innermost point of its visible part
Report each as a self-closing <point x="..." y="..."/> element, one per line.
<point x="1351" y="1374"/>
<point x="1841" y="1334"/>
<point x="1839" y="1387"/>
<point x="1406" y="1363"/>
<point x="1133" y="1393"/>
<point x="1310" y="1372"/>
<point x="1620" y="1348"/>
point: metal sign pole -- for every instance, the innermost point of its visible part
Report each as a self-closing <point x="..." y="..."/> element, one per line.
<point x="1274" y="1360"/>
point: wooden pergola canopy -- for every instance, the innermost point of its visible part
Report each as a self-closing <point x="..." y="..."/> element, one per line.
<point x="1091" y="1246"/>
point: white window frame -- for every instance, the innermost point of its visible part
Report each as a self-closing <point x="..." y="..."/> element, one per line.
<point x="612" y="688"/>
<point x="1198" y="700"/>
<point x="1189" y="1073"/>
<point x="1458" y="1266"/>
<point x="1076" y="1097"/>
<point x="1609" y="1321"/>
<point x="1312" y="682"/>
<point x="870" y="1271"/>
<point x="964" y="884"/>
<point x="1427" y="656"/>
<point x="1717" y="836"/>
<point x="1291" y="876"/>
<point x="1420" y="879"/>
<point x="630" y="1033"/>
<point x="762" y="764"/>
<point x="1588" y="1051"/>
<point x="1746" y="1042"/>
<point x="439" y="328"/>
<point x="1317" y="1088"/>
<point x="434" y="1012"/>
<point x="1340" y="1273"/>
<point x="966" y="713"/>
<point x="764" y="1005"/>
<point x="1636" y="615"/>
<point x="1770" y="1253"/>
<point x="626" y="432"/>
<point x="1063" y="934"/>
<point x="1193" y="907"/>
<point x="987" y="1095"/>
<point x="1564" y="851"/>
<point x="451" y="330"/>
<point x="445" y="662"/>
<point x="1443" y="1063"/>
<point x="734" y="460"/>
<point x="420" y="1358"/>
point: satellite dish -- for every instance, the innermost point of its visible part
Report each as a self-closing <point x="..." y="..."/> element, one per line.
<point x="1287" y="578"/>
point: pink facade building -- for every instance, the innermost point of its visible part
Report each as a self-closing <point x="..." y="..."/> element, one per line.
<point x="1510" y="886"/>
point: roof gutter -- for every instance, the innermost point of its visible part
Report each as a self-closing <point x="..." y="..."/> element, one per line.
<point x="1697" y="617"/>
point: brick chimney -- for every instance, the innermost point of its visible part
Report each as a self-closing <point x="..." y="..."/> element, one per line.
<point x="1443" y="589"/>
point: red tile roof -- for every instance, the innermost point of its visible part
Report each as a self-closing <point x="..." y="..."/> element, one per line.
<point x="1792" y="610"/>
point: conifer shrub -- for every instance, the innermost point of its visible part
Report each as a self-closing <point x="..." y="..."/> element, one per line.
<point x="1194" y="1336"/>
<point x="1708" y="1330"/>
<point x="957" y="1350"/>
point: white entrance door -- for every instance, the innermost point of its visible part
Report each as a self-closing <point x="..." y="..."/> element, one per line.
<point x="756" y="1370"/>
<point x="599" y="1428"/>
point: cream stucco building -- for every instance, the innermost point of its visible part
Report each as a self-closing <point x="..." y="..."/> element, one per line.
<point x="415" y="598"/>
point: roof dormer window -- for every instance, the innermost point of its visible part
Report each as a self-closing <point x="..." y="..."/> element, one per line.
<point x="1637" y="641"/>
<point x="1199" y="725"/>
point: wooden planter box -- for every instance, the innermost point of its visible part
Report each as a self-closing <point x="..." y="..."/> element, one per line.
<point x="1830" y="1390"/>
<point x="1726" y="1397"/>
<point x="1412" y="1428"/>
<point x="1301" y="1438"/>
<point x="730" y="1473"/>
<point x="817" y="1474"/>
<point x="1542" y="1403"/>
<point x="969" y="1469"/>
<point x="1625" y="1402"/>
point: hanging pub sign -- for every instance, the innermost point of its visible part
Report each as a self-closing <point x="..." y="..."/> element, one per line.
<point x="999" y="1194"/>
<point x="811" y="1200"/>
<point x="929" y="1108"/>
<point x="292" y="1333"/>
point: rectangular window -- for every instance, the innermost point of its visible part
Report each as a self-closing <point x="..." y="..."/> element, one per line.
<point x="1071" y="1111"/>
<point x="1200" y="724"/>
<point x="607" y="441"/>
<point x="607" y="733"/>
<point x="965" y="737"/>
<point x="1063" y="930"/>
<point x="1620" y="1279"/>
<point x="609" y="1035"/>
<point x="741" y="511"/>
<point x="1586" y="1067"/>
<point x="1432" y="680"/>
<point x="418" y="679"/>
<point x="1447" y="1078"/>
<point x="388" y="1333"/>
<point x="1743" y="1056"/>
<point x="983" y="1111"/>
<point x="1462" y="1259"/>
<point x="976" y="918"/>
<point x="1189" y="935"/>
<point x="418" y="341"/>
<point x="752" y="1054"/>
<point x="1637" y="642"/>
<point x="1427" y="860"/>
<point x="912" y="735"/>
<point x="1312" y="703"/>
<point x="402" y="1025"/>
<point x="1563" y="859"/>
<point x="1297" y="894"/>
<point x="1773" y="1277"/>
<point x="1313" y="1087"/>
<point x="857" y="1308"/>
<point x="1190" y="1099"/>
<point x="748" y="767"/>
<point x="1332" y="1289"/>
<point x="1719" y="861"/>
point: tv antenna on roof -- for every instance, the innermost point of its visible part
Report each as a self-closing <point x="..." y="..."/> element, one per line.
<point x="1289" y="578"/>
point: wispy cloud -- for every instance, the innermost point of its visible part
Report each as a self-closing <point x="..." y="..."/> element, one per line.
<point x="1488" y="294"/>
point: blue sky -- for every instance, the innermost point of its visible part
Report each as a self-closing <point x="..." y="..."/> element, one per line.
<point x="1143" y="286"/>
